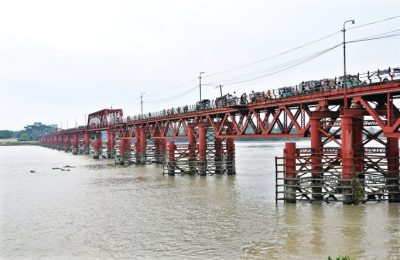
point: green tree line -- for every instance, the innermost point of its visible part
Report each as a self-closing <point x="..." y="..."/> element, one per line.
<point x="30" y="132"/>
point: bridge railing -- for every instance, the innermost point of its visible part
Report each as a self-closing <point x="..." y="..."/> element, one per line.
<point x="303" y="89"/>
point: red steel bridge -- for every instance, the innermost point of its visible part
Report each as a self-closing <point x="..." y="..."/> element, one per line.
<point x="353" y="131"/>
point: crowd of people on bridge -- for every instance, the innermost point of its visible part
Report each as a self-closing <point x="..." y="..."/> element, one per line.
<point x="304" y="88"/>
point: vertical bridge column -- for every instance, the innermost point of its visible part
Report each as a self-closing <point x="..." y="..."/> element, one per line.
<point x="54" y="142"/>
<point x="316" y="156"/>
<point x="137" y="145"/>
<point x="202" y="149"/>
<point x="125" y="148"/>
<point x="97" y="146"/>
<point x="290" y="172"/>
<point x="86" y="143"/>
<point x="157" y="151"/>
<point x="171" y="158"/>
<point x="191" y="149"/>
<point x="230" y="151"/>
<point x="218" y="155"/>
<point x="142" y="145"/>
<point x="350" y="136"/>
<point x="160" y="150"/>
<point x="67" y="143"/>
<point x="110" y="143"/>
<point x="75" y="144"/>
<point x="392" y="155"/>
<point x="60" y="142"/>
<point x="163" y="149"/>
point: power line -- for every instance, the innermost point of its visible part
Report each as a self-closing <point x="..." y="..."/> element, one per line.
<point x="284" y="69"/>
<point x="375" y="38"/>
<point x="288" y="63"/>
<point x="301" y="46"/>
<point x="283" y="65"/>
<point x="381" y="34"/>
<point x="374" y="22"/>
<point x="273" y="56"/>
<point x="173" y="97"/>
<point x="172" y="88"/>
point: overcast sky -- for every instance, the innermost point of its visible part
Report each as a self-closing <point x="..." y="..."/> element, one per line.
<point x="60" y="60"/>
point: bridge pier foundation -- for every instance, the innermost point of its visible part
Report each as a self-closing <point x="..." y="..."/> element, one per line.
<point x="97" y="146"/>
<point x="350" y="135"/>
<point x="202" y="147"/>
<point x="160" y="148"/>
<point x="142" y="152"/>
<point x="230" y="152"/>
<point x="67" y="143"/>
<point x="124" y="150"/>
<point x="110" y="144"/>
<point x="218" y="156"/>
<point x="191" y="149"/>
<point x="137" y="145"/>
<point x="157" y="151"/>
<point x="86" y="143"/>
<point x="75" y="144"/>
<point x="316" y="157"/>
<point x="60" y="143"/>
<point x="290" y="172"/>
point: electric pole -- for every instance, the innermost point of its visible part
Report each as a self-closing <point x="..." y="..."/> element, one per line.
<point x="141" y="103"/>
<point x="344" y="81"/>
<point x="200" y="83"/>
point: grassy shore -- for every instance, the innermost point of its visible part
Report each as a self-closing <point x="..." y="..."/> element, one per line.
<point x="15" y="142"/>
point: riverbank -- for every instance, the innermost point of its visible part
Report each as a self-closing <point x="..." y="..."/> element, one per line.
<point x="15" y="142"/>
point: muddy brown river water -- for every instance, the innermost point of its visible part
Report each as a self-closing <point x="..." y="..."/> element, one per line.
<point x="99" y="211"/>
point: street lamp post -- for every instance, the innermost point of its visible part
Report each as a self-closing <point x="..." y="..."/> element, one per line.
<point x="200" y="83"/>
<point x="344" y="61"/>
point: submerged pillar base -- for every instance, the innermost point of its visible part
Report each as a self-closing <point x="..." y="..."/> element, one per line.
<point x="202" y="168"/>
<point x="110" y="154"/>
<point x="171" y="167"/>
<point x="96" y="154"/>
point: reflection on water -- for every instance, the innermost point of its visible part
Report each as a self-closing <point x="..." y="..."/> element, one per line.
<point x="97" y="210"/>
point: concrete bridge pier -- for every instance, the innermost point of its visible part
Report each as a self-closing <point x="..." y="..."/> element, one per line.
<point x="218" y="156"/>
<point x="230" y="152"/>
<point x="121" y="148"/>
<point x="110" y="144"/>
<point x="350" y="128"/>
<point x="191" y="149"/>
<point x="53" y="142"/>
<point x="202" y="148"/>
<point x="171" y="164"/>
<point x="124" y="150"/>
<point x="60" y="143"/>
<point x="97" y="146"/>
<point x="290" y="172"/>
<point x="75" y="144"/>
<point x="142" y="152"/>
<point x="316" y="157"/>
<point x="160" y="150"/>
<point x="137" y="145"/>
<point x="163" y="149"/>
<point x="86" y="143"/>
<point x="67" y="143"/>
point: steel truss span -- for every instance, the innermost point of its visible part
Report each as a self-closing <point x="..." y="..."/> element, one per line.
<point x="353" y="154"/>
